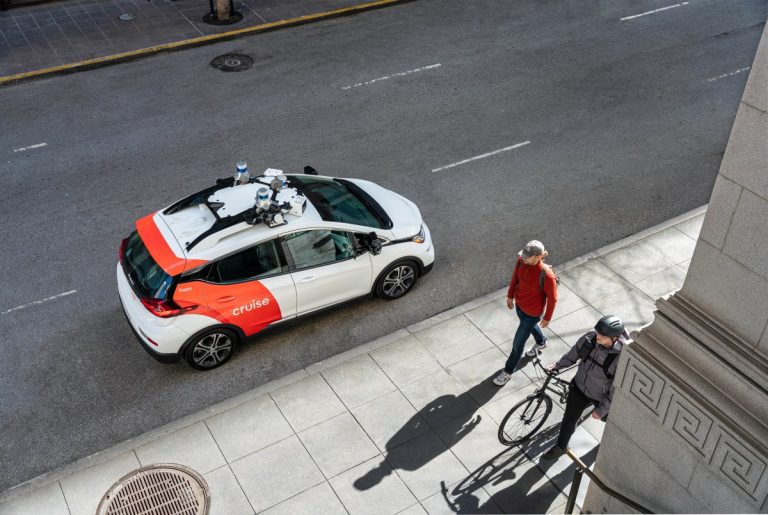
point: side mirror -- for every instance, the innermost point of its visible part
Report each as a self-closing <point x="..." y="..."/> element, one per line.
<point x="373" y="243"/>
<point x="308" y="170"/>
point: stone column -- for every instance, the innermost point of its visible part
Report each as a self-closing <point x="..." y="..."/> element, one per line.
<point x="688" y="428"/>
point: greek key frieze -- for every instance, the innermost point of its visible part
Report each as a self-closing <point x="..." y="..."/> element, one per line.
<point x="688" y="422"/>
<point x="743" y="467"/>
<point x="643" y="384"/>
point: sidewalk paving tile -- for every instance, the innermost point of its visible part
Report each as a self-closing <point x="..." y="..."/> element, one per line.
<point x="521" y="487"/>
<point x="338" y="444"/>
<point x="248" y="427"/>
<point x="635" y="262"/>
<point x="371" y="488"/>
<point x="476" y="374"/>
<point x="670" y="246"/>
<point x="453" y="340"/>
<point x="692" y="226"/>
<point x="318" y="499"/>
<point x="276" y="473"/>
<point x="571" y="327"/>
<point x="472" y="442"/>
<point x="84" y="490"/>
<point x="390" y="420"/>
<point x="592" y="280"/>
<point x="684" y="266"/>
<point x="423" y="463"/>
<point x="48" y="500"/>
<point x="460" y="501"/>
<point x="663" y="283"/>
<point x="416" y="509"/>
<point x="439" y="398"/>
<point x="192" y="446"/>
<point x="405" y="361"/>
<point x="358" y="381"/>
<point x="227" y="498"/>
<point x="495" y="320"/>
<point x="307" y="402"/>
<point x="634" y="307"/>
<point x="568" y="301"/>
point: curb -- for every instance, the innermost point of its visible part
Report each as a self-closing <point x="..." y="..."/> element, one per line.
<point x="181" y="423"/>
<point x="98" y="62"/>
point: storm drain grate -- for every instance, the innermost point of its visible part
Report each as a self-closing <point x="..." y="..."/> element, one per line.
<point x="232" y="62"/>
<point x="166" y="489"/>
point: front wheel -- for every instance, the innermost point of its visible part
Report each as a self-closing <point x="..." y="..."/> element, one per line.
<point x="524" y="419"/>
<point x="211" y="349"/>
<point x="397" y="280"/>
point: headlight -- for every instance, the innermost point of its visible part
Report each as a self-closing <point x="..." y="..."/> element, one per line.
<point x="421" y="237"/>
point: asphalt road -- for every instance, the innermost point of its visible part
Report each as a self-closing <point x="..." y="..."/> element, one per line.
<point x="625" y="128"/>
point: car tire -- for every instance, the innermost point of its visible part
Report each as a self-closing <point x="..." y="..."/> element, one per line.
<point x="398" y="279"/>
<point x="211" y="348"/>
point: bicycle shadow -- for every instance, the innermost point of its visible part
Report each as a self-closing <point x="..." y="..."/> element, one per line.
<point x="528" y="491"/>
<point x="452" y="414"/>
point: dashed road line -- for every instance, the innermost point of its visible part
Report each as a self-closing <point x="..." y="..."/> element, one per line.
<point x="517" y="145"/>
<point x="22" y="149"/>
<point x="34" y="303"/>
<point x="430" y="67"/>
<point x="652" y="12"/>
<point x="723" y="76"/>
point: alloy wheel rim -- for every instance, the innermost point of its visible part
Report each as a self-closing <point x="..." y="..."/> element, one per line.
<point x="399" y="281"/>
<point x="212" y="350"/>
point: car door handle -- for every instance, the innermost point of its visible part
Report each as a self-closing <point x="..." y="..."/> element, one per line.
<point x="307" y="279"/>
<point x="228" y="298"/>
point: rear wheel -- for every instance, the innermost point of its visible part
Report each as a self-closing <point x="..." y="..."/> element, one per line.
<point x="397" y="280"/>
<point x="524" y="419"/>
<point x="211" y="349"/>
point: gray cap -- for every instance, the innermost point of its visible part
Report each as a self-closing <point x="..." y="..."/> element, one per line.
<point x="532" y="248"/>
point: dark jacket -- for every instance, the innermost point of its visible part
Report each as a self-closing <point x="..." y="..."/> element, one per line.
<point x="590" y="377"/>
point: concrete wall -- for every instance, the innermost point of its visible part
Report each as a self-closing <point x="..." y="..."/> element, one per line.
<point x="688" y="429"/>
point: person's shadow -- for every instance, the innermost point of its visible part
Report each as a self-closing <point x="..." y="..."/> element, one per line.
<point x="527" y="492"/>
<point x="452" y="414"/>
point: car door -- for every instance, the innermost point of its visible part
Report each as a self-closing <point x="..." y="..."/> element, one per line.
<point x="328" y="270"/>
<point x="252" y="288"/>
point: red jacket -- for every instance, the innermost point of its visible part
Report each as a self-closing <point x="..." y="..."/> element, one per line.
<point x="525" y="289"/>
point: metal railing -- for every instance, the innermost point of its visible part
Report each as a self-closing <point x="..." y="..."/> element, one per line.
<point x="582" y="469"/>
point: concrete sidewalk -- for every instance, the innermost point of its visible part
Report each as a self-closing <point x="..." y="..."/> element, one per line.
<point x="61" y="36"/>
<point x="404" y="424"/>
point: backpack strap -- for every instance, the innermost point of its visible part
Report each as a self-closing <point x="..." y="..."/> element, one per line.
<point x="609" y="359"/>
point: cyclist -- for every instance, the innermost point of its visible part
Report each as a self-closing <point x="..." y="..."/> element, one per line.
<point x="597" y="351"/>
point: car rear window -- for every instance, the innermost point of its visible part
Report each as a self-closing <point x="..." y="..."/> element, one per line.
<point x="144" y="274"/>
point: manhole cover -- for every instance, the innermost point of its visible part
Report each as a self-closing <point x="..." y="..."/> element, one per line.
<point x="127" y="16"/>
<point x="165" y="489"/>
<point x="232" y="62"/>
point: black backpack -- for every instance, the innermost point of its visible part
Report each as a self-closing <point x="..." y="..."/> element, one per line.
<point x="586" y="350"/>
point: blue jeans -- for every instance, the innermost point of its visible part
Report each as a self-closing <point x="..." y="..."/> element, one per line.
<point x="528" y="326"/>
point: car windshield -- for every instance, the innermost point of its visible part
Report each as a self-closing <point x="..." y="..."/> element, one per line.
<point x="144" y="274"/>
<point x="339" y="200"/>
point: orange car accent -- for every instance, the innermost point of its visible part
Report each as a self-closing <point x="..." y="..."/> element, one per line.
<point x="248" y="305"/>
<point x="160" y="250"/>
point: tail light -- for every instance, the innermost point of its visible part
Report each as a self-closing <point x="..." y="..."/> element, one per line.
<point x="121" y="252"/>
<point x="164" y="308"/>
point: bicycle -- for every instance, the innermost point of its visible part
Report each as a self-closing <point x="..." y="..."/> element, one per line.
<point x="527" y="416"/>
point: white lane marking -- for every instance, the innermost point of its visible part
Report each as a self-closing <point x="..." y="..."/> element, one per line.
<point x="22" y="149"/>
<point x="54" y="297"/>
<point x="740" y="70"/>
<point x="431" y="66"/>
<point x="517" y="145"/>
<point x="651" y="12"/>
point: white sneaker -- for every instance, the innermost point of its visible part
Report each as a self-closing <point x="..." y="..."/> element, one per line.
<point x="533" y="351"/>
<point x="502" y="378"/>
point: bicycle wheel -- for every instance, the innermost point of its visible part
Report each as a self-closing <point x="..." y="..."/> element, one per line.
<point x="524" y="419"/>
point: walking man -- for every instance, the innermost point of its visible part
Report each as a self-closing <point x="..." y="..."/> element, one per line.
<point x="597" y="352"/>
<point x="533" y="294"/>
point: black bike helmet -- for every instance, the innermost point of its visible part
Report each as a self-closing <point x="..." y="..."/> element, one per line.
<point x="610" y="325"/>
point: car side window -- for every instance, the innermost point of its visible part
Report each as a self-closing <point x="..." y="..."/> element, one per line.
<point x="319" y="247"/>
<point x="252" y="263"/>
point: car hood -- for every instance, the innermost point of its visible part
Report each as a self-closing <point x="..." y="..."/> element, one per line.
<point x="405" y="216"/>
